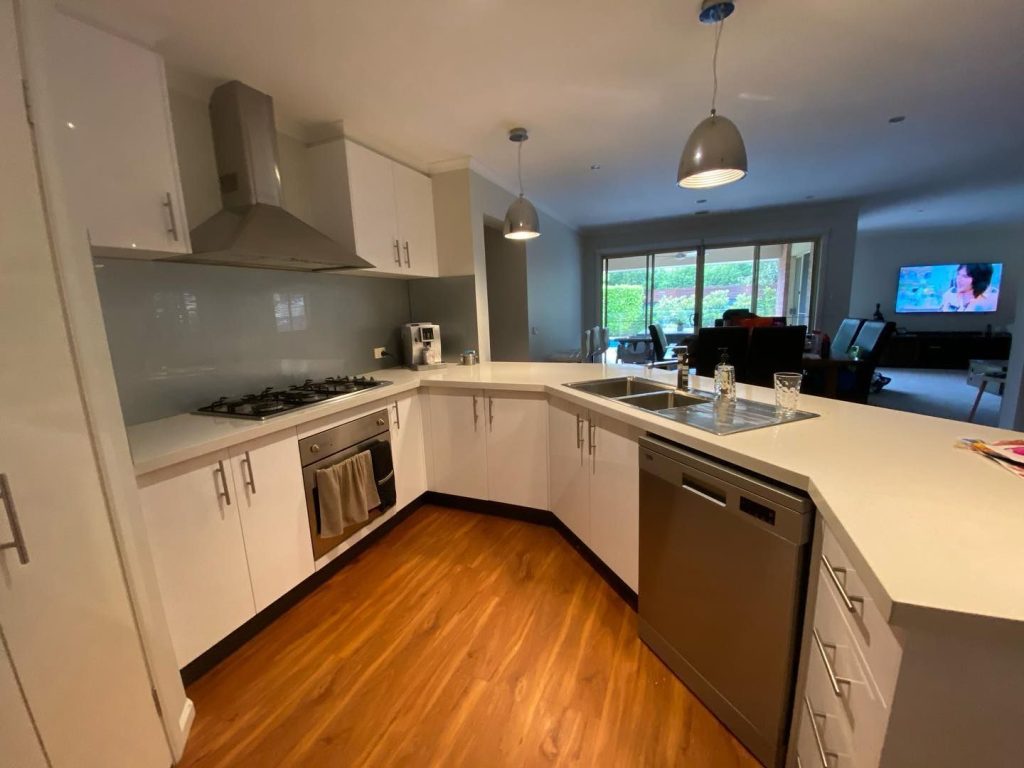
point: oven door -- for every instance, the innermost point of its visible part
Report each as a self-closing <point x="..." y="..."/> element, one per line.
<point x="383" y="473"/>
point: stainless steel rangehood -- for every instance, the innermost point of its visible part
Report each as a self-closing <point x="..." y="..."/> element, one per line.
<point x="253" y="230"/>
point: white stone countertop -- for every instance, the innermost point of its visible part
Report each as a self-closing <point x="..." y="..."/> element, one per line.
<point x="930" y="527"/>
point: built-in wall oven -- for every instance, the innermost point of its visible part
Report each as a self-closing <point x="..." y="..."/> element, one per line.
<point x="319" y="451"/>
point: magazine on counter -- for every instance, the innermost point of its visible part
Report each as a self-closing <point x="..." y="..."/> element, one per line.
<point x="1009" y="454"/>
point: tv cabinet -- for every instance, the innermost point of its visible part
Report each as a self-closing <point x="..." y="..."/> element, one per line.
<point x="944" y="349"/>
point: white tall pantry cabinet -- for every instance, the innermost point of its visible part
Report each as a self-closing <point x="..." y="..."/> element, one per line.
<point x="69" y="627"/>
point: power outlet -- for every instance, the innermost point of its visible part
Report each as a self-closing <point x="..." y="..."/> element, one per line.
<point x="379" y="352"/>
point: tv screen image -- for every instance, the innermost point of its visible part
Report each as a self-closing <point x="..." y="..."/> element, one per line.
<point x="949" y="288"/>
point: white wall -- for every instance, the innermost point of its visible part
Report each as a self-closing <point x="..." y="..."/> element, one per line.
<point x="507" y="297"/>
<point x="1011" y="412"/>
<point x="835" y="224"/>
<point x="880" y="254"/>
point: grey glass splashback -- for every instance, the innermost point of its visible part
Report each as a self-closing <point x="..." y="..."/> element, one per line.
<point x="182" y="335"/>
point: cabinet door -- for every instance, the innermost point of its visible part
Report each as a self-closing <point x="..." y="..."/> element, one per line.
<point x="517" y="439"/>
<point x="20" y="745"/>
<point x="191" y="515"/>
<point x="615" y="497"/>
<point x="372" y="191"/>
<point x="115" y="139"/>
<point x="569" y="466"/>
<point x="272" y="506"/>
<point x="407" y="448"/>
<point x="458" y="434"/>
<point x="414" y="200"/>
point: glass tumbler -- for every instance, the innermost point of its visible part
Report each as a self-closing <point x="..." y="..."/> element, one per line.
<point x="787" y="391"/>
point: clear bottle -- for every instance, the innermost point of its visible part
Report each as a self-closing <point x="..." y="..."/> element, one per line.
<point x="725" y="377"/>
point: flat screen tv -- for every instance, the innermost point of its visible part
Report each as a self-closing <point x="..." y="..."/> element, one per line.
<point x="949" y="288"/>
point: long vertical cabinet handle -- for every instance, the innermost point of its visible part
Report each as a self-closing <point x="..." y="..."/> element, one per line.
<point x="579" y="432"/>
<point x="225" y="494"/>
<point x="407" y="262"/>
<point x="398" y="416"/>
<point x="476" y="414"/>
<point x="490" y="412"/>
<point x="251" y="481"/>
<point x="169" y="205"/>
<point x="18" y="542"/>
<point x="398" y="254"/>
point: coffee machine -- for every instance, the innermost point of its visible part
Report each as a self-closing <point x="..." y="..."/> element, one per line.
<point x="421" y="345"/>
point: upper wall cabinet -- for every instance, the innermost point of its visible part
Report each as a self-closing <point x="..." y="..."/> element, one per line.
<point x="115" y="141"/>
<point x="384" y="207"/>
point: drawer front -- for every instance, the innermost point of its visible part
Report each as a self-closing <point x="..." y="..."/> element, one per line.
<point x="839" y="684"/>
<point x="860" y="612"/>
<point x="823" y="741"/>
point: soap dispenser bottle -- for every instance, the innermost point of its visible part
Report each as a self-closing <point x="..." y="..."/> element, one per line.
<point x="725" y="377"/>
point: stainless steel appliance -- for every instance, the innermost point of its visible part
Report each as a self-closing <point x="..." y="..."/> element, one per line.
<point x="273" y="402"/>
<point x="421" y="345"/>
<point x="319" y="451"/>
<point x="723" y="577"/>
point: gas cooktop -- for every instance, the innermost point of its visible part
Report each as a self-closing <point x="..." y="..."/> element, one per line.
<point x="273" y="402"/>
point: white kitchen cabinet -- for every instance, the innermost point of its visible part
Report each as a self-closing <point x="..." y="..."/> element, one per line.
<point x="115" y="140"/>
<point x="20" y="745"/>
<point x="458" y="436"/>
<point x="408" y="448"/>
<point x="414" y="202"/>
<point x="192" y="518"/>
<point x="594" y="482"/>
<point x="517" y="438"/>
<point x="384" y="209"/>
<point x="615" y="497"/>
<point x="68" y="622"/>
<point x="272" y="508"/>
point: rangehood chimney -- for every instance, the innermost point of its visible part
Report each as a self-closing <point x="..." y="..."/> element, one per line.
<point x="253" y="230"/>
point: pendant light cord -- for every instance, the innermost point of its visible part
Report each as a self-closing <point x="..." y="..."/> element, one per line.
<point x="714" y="63"/>
<point x="519" y="164"/>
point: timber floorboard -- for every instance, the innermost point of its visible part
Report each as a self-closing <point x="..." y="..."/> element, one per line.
<point x="459" y="639"/>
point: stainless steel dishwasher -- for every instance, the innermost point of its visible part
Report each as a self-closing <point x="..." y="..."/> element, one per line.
<point x="723" y="577"/>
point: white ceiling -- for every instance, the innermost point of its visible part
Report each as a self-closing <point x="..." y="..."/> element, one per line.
<point x="810" y="83"/>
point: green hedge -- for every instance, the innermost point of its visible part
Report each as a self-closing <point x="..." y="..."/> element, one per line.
<point x="624" y="307"/>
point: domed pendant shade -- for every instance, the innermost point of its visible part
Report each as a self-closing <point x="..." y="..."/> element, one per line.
<point x="521" y="221"/>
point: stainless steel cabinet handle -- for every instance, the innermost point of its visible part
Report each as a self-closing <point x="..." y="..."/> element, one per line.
<point x="832" y="679"/>
<point x="798" y="763"/>
<point x="247" y="463"/>
<point x="398" y="417"/>
<point x="823" y="753"/>
<point x="18" y="542"/>
<point x="476" y="415"/>
<point x="225" y="494"/>
<point x="579" y="431"/>
<point x="398" y="254"/>
<point x="591" y="435"/>
<point x="407" y="262"/>
<point x="173" y="229"/>
<point x="847" y="600"/>
<point x="490" y="413"/>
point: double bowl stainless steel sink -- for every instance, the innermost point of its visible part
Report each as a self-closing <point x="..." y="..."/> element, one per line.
<point x="695" y="409"/>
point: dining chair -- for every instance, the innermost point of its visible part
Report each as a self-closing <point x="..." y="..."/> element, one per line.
<point x="773" y="349"/>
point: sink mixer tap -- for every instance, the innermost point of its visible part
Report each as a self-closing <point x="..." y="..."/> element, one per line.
<point x="681" y="364"/>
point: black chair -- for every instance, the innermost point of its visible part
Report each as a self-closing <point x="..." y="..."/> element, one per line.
<point x="659" y="342"/>
<point x="848" y="330"/>
<point x="709" y="343"/>
<point x="774" y="349"/>
<point x="733" y="316"/>
<point x="872" y="339"/>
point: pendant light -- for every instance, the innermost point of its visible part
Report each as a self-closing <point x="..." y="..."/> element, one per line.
<point x="714" y="154"/>
<point x="521" y="222"/>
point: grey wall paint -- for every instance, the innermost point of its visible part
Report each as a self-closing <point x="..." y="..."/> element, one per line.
<point x="1011" y="411"/>
<point x="451" y="303"/>
<point x="507" y="297"/>
<point x="881" y="254"/>
<point x="835" y="224"/>
<point x="182" y="335"/>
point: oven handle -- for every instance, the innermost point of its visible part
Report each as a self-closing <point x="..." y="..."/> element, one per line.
<point x="390" y="476"/>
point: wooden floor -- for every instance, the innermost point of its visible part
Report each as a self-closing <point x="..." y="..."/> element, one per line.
<point x="460" y="639"/>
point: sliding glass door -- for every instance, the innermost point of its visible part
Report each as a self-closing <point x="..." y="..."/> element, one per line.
<point x="683" y="291"/>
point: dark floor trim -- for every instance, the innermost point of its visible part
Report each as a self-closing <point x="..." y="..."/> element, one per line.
<point x="539" y="517"/>
<point x="203" y="663"/>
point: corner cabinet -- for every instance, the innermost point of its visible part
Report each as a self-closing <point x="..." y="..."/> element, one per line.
<point x="490" y="445"/>
<point x="384" y="208"/>
<point x="115" y="141"/>
<point x="229" y="536"/>
<point x="594" y="482"/>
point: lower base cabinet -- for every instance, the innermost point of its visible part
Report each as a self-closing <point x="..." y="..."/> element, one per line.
<point x="407" y="448"/>
<point x="21" y="747"/>
<point x="594" y="476"/>
<point x="228" y="534"/>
